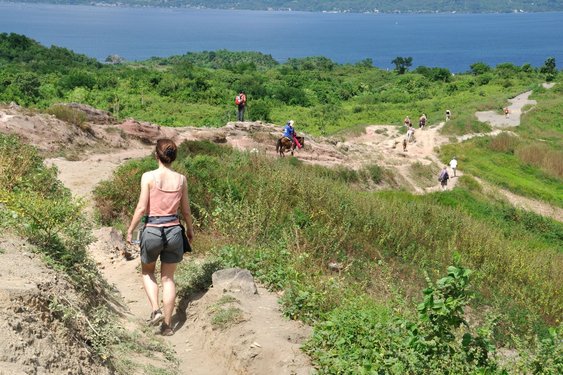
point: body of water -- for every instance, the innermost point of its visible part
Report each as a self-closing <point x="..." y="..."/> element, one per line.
<point x="452" y="41"/>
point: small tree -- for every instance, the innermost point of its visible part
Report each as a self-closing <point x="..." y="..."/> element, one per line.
<point x="479" y="68"/>
<point x="549" y="68"/>
<point x="402" y="64"/>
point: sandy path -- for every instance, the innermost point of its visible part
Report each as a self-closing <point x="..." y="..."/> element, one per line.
<point x="515" y="112"/>
<point x="389" y="152"/>
<point x="82" y="176"/>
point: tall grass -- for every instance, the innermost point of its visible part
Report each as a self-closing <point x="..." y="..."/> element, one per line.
<point x="542" y="156"/>
<point x="504" y="143"/>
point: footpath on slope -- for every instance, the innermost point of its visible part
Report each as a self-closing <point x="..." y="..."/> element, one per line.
<point x="500" y="122"/>
<point x="263" y="342"/>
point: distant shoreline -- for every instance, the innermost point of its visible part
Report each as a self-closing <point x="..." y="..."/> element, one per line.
<point x="266" y="9"/>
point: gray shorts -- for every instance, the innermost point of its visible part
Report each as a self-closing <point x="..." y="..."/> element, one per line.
<point x="166" y="242"/>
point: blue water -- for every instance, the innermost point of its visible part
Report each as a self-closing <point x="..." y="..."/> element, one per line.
<point x="452" y="41"/>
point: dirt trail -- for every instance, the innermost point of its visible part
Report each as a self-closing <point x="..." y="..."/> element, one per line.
<point x="539" y="207"/>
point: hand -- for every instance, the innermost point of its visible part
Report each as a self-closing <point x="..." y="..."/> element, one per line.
<point x="129" y="237"/>
<point x="190" y="234"/>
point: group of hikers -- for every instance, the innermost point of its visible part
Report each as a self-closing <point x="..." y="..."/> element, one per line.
<point x="444" y="176"/>
<point x="409" y="137"/>
<point x="422" y="120"/>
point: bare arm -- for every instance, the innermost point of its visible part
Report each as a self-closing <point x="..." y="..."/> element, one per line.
<point x="186" y="212"/>
<point x="142" y="206"/>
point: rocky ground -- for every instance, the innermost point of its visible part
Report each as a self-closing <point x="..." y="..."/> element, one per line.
<point x="33" y="342"/>
<point x="262" y="341"/>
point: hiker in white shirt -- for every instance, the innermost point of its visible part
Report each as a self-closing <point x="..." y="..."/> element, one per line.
<point x="453" y="165"/>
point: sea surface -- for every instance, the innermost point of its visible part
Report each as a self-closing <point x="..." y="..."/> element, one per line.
<point x="453" y="41"/>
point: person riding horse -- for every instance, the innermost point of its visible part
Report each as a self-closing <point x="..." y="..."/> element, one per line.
<point x="289" y="133"/>
<point x="289" y="139"/>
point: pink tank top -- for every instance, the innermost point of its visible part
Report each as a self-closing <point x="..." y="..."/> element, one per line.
<point x="164" y="202"/>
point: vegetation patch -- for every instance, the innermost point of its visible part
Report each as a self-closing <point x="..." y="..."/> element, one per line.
<point x="224" y="315"/>
<point x="425" y="175"/>
<point x="337" y="251"/>
<point x="494" y="160"/>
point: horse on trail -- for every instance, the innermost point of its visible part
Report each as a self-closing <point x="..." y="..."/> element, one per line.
<point x="284" y="144"/>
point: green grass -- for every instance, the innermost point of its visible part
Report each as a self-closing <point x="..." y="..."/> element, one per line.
<point x="543" y="121"/>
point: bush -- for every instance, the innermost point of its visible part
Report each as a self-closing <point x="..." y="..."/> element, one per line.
<point x="373" y="172"/>
<point x="259" y="110"/>
<point x="68" y="114"/>
<point x="366" y="338"/>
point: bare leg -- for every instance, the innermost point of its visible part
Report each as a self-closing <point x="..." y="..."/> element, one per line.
<point x="149" y="283"/>
<point x="168" y="290"/>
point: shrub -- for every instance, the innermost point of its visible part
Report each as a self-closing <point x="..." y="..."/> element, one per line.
<point x="373" y="172"/>
<point x="68" y="114"/>
<point x="365" y="338"/>
<point x="259" y="110"/>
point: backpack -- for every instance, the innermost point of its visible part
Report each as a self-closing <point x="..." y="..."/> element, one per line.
<point x="238" y="100"/>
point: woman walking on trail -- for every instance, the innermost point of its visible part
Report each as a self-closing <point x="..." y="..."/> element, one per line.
<point x="163" y="192"/>
<point x="444" y="177"/>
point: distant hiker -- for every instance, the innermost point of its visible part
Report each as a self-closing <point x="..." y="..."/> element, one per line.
<point x="422" y="121"/>
<point x="404" y="145"/>
<point x="506" y="113"/>
<point x="289" y="133"/>
<point x="443" y="177"/>
<point x="448" y="115"/>
<point x="407" y="121"/>
<point x="453" y="165"/>
<point x="240" y="102"/>
<point x="410" y="134"/>
<point x="163" y="192"/>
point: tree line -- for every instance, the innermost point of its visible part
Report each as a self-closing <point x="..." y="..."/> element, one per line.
<point x="199" y="88"/>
